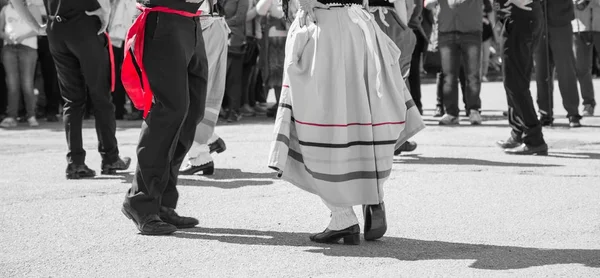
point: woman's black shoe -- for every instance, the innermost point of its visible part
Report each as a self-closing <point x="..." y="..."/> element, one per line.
<point x="79" y="171"/>
<point x="375" y="222"/>
<point x="351" y="236"/>
<point x="207" y="169"/>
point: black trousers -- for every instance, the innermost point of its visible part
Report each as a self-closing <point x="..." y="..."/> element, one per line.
<point x="177" y="68"/>
<point x="83" y="67"/>
<point x="555" y="51"/>
<point x="51" y="88"/>
<point x="234" y="84"/>
<point x="119" y="95"/>
<point x="414" y="76"/>
<point x="523" y="31"/>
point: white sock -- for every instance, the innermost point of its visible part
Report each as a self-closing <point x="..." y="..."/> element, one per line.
<point x="200" y="155"/>
<point x="341" y="217"/>
<point x="213" y="138"/>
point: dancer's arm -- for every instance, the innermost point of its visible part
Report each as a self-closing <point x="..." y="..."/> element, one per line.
<point x="21" y="8"/>
<point x="103" y="13"/>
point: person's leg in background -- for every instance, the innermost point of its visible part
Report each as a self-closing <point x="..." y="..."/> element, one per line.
<point x="439" y="94"/>
<point x="485" y="59"/>
<point x="544" y="77"/>
<point x="249" y="63"/>
<point x="450" y="58"/>
<point x="561" y="43"/>
<point x="119" y="95"/>
<point x="414" y="76"/>
<point x="583" y="48"/>
<point x="11" y="67"/>
<point x="3" y="90"/>
<point x="51" y="88"/>
<point x="471" y="57"/>
<point x="234" y="83"/>
<point x="27" y="64"/>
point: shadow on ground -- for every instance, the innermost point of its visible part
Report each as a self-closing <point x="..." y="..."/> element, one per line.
<point x="418" y="159"/>
<point x="489" y="257"/>
<point x="223" y="178"/>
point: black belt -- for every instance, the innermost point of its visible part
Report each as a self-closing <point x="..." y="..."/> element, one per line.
<point x="57" y="18"/>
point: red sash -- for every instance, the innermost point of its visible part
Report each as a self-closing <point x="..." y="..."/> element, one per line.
<point x="137" y="85"/>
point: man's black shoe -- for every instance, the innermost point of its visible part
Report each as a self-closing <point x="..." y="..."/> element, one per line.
<point x="181" y="222"/>
<point x="525" y="149"/>
<point x="150" y="225"/>
<point x="217" y="146"/>
<point x="511" y="143"/>
<point x="546" y="120"/>
<point x="408" y="146"/>
<point x="119" y="165"/>
<point x="79" y="171"/>
<point x="574" y="121"/>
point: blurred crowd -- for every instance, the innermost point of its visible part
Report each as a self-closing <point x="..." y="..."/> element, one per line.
<point x="458" y="41"/>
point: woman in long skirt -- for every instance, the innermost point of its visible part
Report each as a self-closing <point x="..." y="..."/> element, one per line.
<point x="206" y="141"/>
<point x="344" y="109"/>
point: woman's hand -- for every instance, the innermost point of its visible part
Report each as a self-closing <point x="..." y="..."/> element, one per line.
<point x="307" y="11"/>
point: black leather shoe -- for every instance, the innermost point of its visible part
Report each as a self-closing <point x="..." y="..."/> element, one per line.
<point x="217" y="146"/>
<point x="79" y="171"/>
<point x="408" y="146"/>
<point x="546" y="120"/>
<point x="181" y="222"/>
<point x="351" y="236"/>
<point x="206" y="169"/>
<point x="574" y="121"/>
<point x="119" y="165"/>
<point x="272" y="112"/>
<point x="375" y="222"/>
<point x="150" y="225"/>
<point x="525" y="149"/>
<point x="510" y="143"/>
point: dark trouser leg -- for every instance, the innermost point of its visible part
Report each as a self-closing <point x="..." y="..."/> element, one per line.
<point x="3" y="92"/>
<point x="10" y="60"/>
<point x="118" y="96"/>
<point x="439" y="92"/>
<point x="450" y="58"/>
<point x="544" y="75"/>
<point x="471" y="56"/>
<point x="234" y="83"/>
<point x="583" y="45"/>
<point x="522" y="35"/>
<point x="561" y="43"/>
<point x="51" y="88"/>
<point x="27" y="63"/>
<point x="197" y="80"/>
<point x="414" y="77"/>
<point x="167" y="56"/>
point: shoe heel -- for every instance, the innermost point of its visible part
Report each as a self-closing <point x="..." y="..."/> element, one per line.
<point x="542" y="153"/>
<point x="208" y="172"/>
<point x="352" y="239"/>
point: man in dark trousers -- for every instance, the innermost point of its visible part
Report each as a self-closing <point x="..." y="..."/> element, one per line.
<point x="555" y="51"/>
<point x="523" y="21"/>
<point x="174" y="71"/>
<point x="80" y="51"/>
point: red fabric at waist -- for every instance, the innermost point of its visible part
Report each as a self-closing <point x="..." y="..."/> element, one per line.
<point x="137" y="85"/>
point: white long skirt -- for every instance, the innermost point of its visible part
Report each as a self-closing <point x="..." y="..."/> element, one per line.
<point x="344" y="108"/>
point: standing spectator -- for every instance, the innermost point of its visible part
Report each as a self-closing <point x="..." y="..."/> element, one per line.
<point x="418" y="20"/>
<point x="277" y="27"/>
<point x="19" y="57"/>
<point x="48" y="70"/>
<point x="122" y="15"/>
<point x="555" y="51"/>
<point x="235" y="16"/>
<point x="460" y="26"/>
<point x="586" y="33"/>
<point x="487" y="37"/>
<point x="251" y="53"/>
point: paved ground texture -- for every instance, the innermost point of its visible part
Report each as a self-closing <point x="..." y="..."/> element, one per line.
<point x="456" y="207"/>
